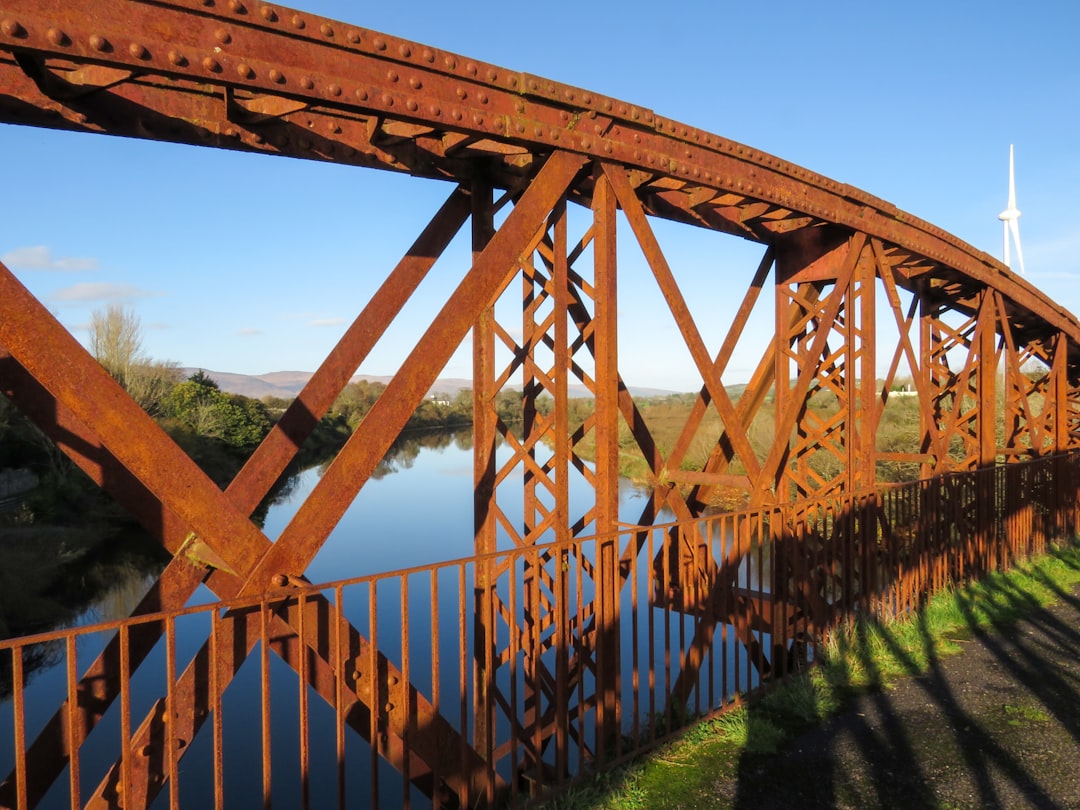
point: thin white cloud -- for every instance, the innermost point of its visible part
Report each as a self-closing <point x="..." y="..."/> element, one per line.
<point x="41" y="258"/>
<point x="248" y="331"/>
<point x="327" y="322"/>
<point x="100" y="291"/>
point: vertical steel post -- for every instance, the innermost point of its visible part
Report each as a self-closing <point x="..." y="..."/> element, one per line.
<point x="484" y="524"/>
<point x="607" y="461"/>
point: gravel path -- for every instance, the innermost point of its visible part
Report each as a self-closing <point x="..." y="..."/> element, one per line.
<point x="996" y="726"/>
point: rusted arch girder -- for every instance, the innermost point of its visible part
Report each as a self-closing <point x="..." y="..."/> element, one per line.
<point x="263" y="78"/>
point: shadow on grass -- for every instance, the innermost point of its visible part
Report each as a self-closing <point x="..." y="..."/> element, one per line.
<point x="997" y="725"/>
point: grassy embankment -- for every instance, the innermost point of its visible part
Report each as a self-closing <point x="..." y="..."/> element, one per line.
<point x="665" y="418"/>
<point x="867" y="656"/>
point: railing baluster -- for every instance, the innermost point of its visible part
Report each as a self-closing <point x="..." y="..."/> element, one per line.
<point x="215" y="709"/>
<point x="436" y="775"/>
<point x="170" y="709"/>
<point x="70" y="658"/>
<point x="125" y="717"/>
<point x="405" y="679"/>
<point x="305" y="773"/>
<point x="464" y="620"/>
<point x="19" y="719"/>
<point x="264" y="675"/>
<point x="339" y="658"/>
<point x="376" y="689"/>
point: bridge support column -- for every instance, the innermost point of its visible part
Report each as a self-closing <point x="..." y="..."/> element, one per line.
<point x="484" y="438"/>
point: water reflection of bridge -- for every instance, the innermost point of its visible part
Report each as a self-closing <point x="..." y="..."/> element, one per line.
<point x="534" y="685"/>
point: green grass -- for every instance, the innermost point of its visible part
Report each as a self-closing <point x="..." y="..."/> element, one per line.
<point x="867" y="655"/>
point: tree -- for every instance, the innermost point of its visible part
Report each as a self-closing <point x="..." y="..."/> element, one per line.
<point x="116" y="340"/>
<point x="116" y="343"/>
<point x="198" y="403"/>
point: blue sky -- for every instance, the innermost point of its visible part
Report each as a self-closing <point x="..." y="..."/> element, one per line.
<point x="251" y="264"/>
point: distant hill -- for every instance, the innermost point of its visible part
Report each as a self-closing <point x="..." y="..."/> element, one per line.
<point x="287" y="384"/>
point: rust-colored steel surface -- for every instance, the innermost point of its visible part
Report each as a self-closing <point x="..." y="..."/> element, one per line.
<point x="573" y="639"/>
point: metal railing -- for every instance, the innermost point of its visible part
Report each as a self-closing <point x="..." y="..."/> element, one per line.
<point x="493" y="679"/>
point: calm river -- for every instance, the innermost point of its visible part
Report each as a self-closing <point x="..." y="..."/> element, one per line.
<point x="416" y="510"/>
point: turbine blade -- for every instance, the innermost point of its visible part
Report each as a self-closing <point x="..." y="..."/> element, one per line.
<point x="1012" y="180"/>
<point x="1014" y="227"/>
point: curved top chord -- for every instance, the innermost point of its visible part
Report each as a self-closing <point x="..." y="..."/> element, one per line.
<point x="251" y="76"/>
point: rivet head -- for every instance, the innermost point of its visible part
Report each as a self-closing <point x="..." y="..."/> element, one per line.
<point x="482" y="98"/>
<point x="280" y="580"/>
<point x="298" y="22"/>
<point x="470" y="68"/>
<point x="177" y="58"/>
<point x="245" y="70"/>
<point x="211" y="64"/>
<point x="412" y="105"/>
<point x="223" y="36"/>
<point x="334" y="89"/>
<point x="392" y="75"/>
<point x="361" y="94"/>
<point x="405" y="50"/>
<point x="12" y="28"/>
<point x="138" y="51"/>
<point x="353" y="37"/>
<point x="268" y="14"/>
<point x="388" y="99"/>
<point x="326" y="29"/>
<point x="276" y="76"/>
<point x="435" y="110"/>
<point x="307" y="83"/>
<point x="57" y="37"/>
<point x="415" y="83"/>
<point x="379" y="43"/>
<point x="99" y="43"/>
<point x="429" y="57"/>
<point x="237" y="7"/>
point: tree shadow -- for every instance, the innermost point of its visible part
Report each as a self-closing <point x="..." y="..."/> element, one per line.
<point x="995" y="726"/>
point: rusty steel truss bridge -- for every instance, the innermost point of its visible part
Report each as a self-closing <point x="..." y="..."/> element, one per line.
<point x="544" y="690"/>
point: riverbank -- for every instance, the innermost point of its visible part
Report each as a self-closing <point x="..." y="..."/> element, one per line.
<point x="973" y="703"/>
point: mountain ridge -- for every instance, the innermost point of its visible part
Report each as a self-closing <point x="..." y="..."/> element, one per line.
<point x="287" y="384"/>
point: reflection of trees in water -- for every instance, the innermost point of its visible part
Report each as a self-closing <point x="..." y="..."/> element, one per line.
<point x="404" y="451"/>
<point x="407" y="447"/>
<point x="105" y="584"/>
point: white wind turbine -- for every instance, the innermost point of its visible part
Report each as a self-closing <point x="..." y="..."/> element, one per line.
<point x="1010" y="218"/>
